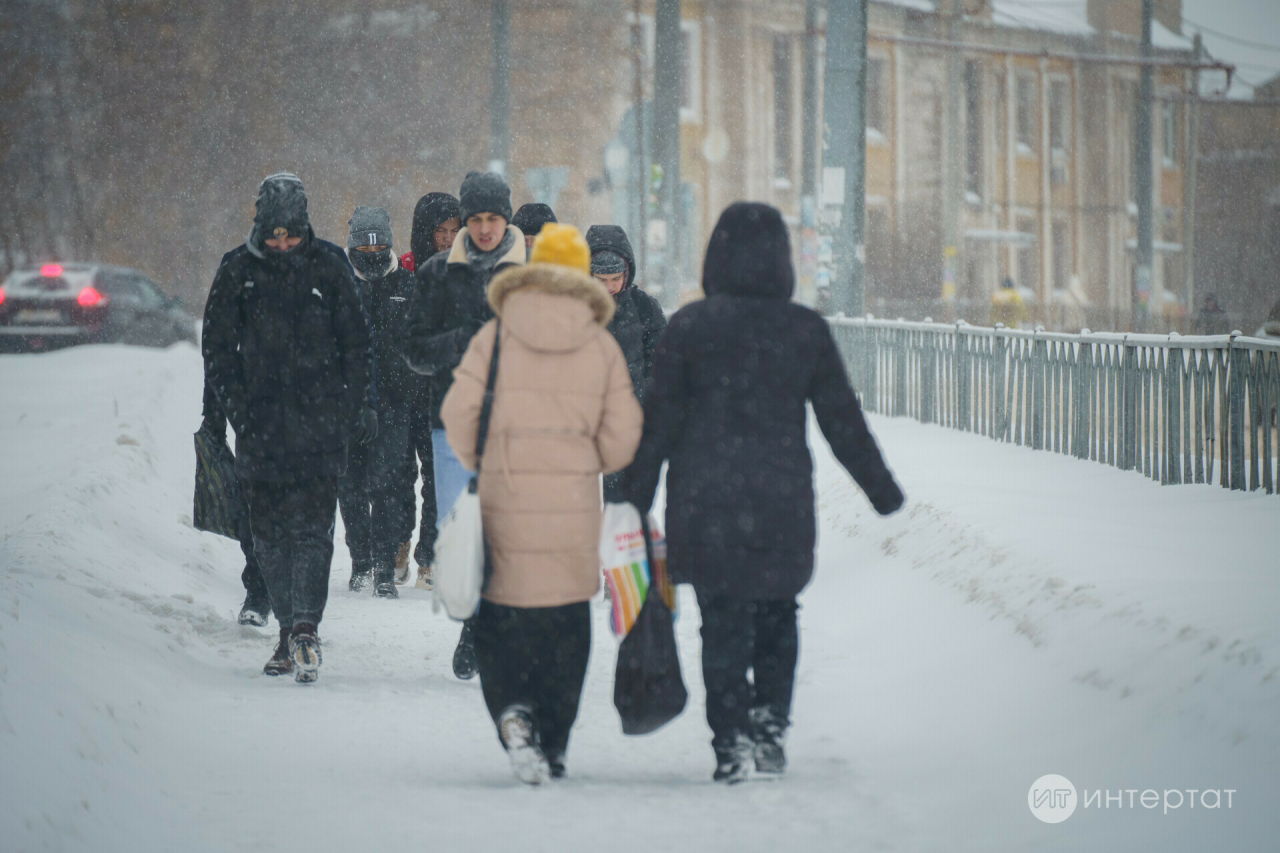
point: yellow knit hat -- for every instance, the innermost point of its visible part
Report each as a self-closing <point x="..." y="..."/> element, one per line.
<point x="562" y="245"/>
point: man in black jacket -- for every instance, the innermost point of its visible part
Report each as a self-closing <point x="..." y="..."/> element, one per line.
<point x="726" y="408"/>
<point x="530" y="218"/>
<point x="437" y="218"/>
<point x="449" y="306"/>
<point x="286" y="349"/>
<point x="376" y="492"/>
<point x="637" y="323"/>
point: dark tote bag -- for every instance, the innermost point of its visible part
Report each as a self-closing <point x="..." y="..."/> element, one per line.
<point x="218" y="506"/>
<point x="648" y="690"/>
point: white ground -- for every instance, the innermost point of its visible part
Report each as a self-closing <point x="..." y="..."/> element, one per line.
<point x="1026" y="614"/>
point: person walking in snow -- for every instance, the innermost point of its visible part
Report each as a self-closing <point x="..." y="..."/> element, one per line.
<point x="530" y="218"/>
<point x="375" y="493"/>
<point x="286" y="348"/>
<point x="563" y="413"/>
<point x="257" y="601"/>
<point x="448" y="308"/>
<point x="437" y="218"/>
<point x="637" y="323"/>
<point x="725" y="408"/>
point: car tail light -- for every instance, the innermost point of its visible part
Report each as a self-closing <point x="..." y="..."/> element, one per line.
<point x="51" y="270"/>
<point x="1" y="295"/>
<point x="89" y="297"/>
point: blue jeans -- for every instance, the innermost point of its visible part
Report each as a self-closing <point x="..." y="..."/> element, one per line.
<point x="451" y="477"/>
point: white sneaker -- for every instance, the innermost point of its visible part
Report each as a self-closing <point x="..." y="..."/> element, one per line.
<point x="515" y="727"/>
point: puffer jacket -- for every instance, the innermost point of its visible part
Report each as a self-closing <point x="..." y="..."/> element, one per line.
<point x="563" y="413"/>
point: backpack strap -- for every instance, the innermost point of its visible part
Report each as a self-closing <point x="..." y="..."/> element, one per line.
<point x="486" y="408"/>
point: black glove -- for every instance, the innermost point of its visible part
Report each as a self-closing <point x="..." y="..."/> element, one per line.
<point x="366" y="428"/>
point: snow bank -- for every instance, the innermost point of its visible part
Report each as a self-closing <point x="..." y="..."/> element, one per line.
<point x="1026" y="614"/>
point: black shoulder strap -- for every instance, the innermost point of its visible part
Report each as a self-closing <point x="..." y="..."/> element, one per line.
<point x="486" y="408"/>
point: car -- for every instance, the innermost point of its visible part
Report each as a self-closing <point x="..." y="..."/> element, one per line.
<point x="61" y="304"/>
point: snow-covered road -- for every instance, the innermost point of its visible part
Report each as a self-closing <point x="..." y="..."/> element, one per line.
<point x="1026" y="614"/>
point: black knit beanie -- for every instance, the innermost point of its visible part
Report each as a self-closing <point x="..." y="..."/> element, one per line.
<point x="484" y="192"/>
<point x="532" y="216"/>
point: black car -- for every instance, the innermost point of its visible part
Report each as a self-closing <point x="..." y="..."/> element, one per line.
<point x="61" y="304"/>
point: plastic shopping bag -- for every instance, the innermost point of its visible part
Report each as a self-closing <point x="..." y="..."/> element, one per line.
<point x="648" y="689"/>
<point x="460" y="557"/>
<point x="218" y="506"/>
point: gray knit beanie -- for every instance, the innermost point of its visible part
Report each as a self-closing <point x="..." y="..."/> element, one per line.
<point x="369" y="226"/>
<point x="484" y="192"/>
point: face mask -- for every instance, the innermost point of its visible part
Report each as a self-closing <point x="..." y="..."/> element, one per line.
<point x="371" y="264"/>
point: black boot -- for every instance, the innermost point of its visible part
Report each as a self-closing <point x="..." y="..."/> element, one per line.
<point x="768" y="732"/>
<point x="464" y="656"/>
<point x="280" y="663"/>
<point x="304" y="648"/>
<point x="384" y="581"/>
<point x="256" y="608"/>
<point x="731" y="761"/>
<point x="361" y="575"/>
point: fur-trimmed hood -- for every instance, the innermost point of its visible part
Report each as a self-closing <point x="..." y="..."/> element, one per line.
<point x="550" y="308"/>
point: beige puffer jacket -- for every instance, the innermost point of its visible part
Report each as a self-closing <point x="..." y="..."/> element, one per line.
<point x="563" y="413"/>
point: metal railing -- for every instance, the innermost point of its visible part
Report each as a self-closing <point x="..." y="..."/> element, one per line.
<point x="1177" y="409"/>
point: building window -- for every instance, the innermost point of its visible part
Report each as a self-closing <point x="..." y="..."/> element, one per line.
<point x="879" y="250"/>
<point x="1028" y="259"/>
<point x="1061" y="256"/>
<point x="1001" y="114"/>
<point x="690" y="72"/>
<point x="1169" y="132"/>
<point x="782" y="107"/>
<point x="877" y="103"/>
<point x="973" y="128"/>
<point x="1059" y="130"/>
<point x="1027" y="123"/>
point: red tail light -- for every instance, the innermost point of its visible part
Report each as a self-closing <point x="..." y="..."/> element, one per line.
<point x="1" y="295"/>
<point x="51" y="270"/>
<point x="89" y="297"/>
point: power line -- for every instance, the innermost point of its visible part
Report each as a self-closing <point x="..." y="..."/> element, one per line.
<point x="1231" y="38"/>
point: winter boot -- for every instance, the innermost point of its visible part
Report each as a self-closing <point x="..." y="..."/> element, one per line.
<point x="402" y="564"/>
<point x="280" y="663"/>
<point x="256" y="608"/>
<point x="384" y="581"/>
<point x="731" y="762"/>
<point x="360" y="580"/>
<point x="464" y="656"/>
<point x="304" y="648"/>
<point x="520" y="737"/>
<point x="555" y="763"/>
<point x="769" y="733"/>
<point x="426" y="578"/>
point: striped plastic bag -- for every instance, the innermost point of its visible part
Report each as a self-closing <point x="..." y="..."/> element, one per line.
<point x="627" y="572"/>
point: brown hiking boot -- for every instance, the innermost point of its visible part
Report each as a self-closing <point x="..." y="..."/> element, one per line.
<point x="426" y="579"/>
<point x="304" y="648"/>
<point x="402" y="564"/>
<point x="280" y="663"/>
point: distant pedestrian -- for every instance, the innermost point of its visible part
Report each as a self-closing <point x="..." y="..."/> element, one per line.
<point x="375" y="493"/>
<point x="1007" y="306"/>
<point x="1212" y="318"/>
<point x="563" y="413"/>
<point x="637" y="323"/>
<point x="437" y="219"/>
<point x="286" y="349"/>
<point x="726" y="408"/>
<point x="449" y="307"/>
<point x="530" y="218"/>
<point x="1270" y="328"/>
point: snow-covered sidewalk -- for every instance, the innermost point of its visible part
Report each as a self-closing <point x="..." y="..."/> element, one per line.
<point x="1025" y="614"/>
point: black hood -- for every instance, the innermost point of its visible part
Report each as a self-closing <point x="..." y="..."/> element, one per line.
<point x="613" y="239"/>
<point x="430" y="211"/>
<point x="749" y="254"/>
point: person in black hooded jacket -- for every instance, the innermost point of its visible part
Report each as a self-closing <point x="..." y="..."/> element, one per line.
<point x="376" y="492"/>
<point x="437" y="217"/>
<point x="286" y="349"/>
<point x="725" y="408"/>
<point x="637" y="323"/>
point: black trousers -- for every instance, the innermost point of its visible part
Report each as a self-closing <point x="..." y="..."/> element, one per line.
<point x="293" y="538"/>
<point x="737" y="635"/>
<point x="376" y="497"/>
<point x="535" y="656"/>
<point x="251" y="577"/>
<point x="422" y="457"/>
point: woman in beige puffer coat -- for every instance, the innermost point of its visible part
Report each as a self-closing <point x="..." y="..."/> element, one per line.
<point x="563" y="414"/>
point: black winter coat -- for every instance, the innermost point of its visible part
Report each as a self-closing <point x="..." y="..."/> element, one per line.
<point x="286" y="349"/>
<point x="387" y="301"/>
<point x="450" y="304"/>
<point x="726" y="408"/>
<point x="638" y="321"/>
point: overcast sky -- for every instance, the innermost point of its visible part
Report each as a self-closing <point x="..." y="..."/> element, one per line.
<point x="1254" y="21"/>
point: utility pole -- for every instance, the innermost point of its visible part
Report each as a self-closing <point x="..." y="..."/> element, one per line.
<point x="1144" y="257"/>
<point x="667" y="79"/>
<point x="807" y="266"/>
<point x="500" y="88"/>
<point x="845" y="145"/>
<point x="1190" y="152"/>
<point x="640" y="162"/>
<point x="952" y="169"/>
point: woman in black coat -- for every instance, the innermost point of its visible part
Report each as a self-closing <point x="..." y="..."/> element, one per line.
<point x="726" y="408"/>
